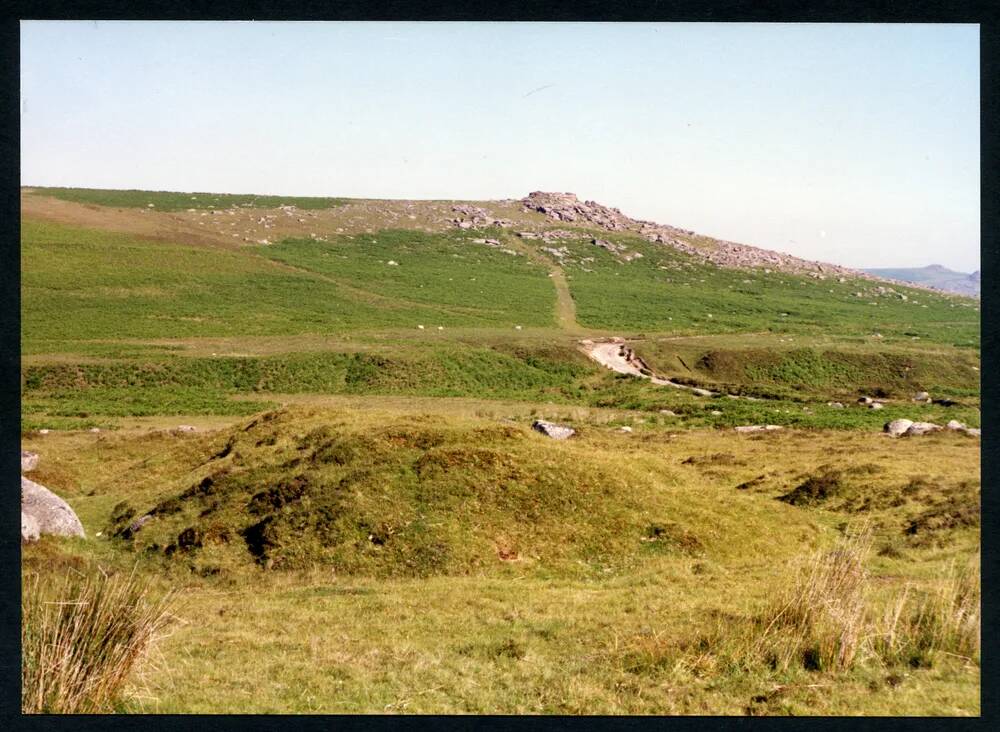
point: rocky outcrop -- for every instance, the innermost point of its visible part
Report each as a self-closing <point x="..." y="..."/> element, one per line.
<point x="553" y="430"/>
<point x="566" y="207"/>
<point x="52" y="514"/>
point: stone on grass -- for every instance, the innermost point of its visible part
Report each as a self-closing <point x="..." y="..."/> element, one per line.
<point x="53" y="514"/>
<point x="898" y="427"/>
<point x="876" y="405"/>
<point x="922" y="428"/>
<point x="553" y="430"/>
<point x="921" y="396"/>
<point x="135" y="526"/>
<point x="955" y="425"/>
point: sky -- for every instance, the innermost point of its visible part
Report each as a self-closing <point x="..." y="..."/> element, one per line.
<point x="848" y="143"/>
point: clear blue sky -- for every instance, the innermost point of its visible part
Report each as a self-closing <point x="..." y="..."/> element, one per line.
<point x="856" y="144"/>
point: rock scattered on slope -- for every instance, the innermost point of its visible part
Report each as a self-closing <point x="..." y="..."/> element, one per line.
<point x="53" y="514"/>
<point x="476" y="217"/>
<point x="758" y="428"/>
<point x="29" y="461"/>
<point x="620" y="251"/>
<point x="922" y="428"/>
<point x="954" y="424"/>
<point x="921" y="396"/>
<point x="553" y="430"/>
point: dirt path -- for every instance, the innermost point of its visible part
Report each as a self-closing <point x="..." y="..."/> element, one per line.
<point x="618" y="357"/>
<point x="565" y="305"/>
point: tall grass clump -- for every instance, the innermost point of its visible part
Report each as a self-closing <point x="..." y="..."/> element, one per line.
<point x="947" y="619"/>
<point x="829" y="617"/>
<point x="818" y="621"/>
<point x="81" y="636"/>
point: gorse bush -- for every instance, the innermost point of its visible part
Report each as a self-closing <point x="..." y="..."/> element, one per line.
<point x="81" y="637"/>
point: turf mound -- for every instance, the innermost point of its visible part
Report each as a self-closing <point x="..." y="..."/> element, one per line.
<point x="406" y="496"/>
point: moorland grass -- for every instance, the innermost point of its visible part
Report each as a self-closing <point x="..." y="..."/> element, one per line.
<point x="81" y="284"/>
<point x="174" y="201"/>
<point x="667" y="290"/>
<point x="625" y="599"/>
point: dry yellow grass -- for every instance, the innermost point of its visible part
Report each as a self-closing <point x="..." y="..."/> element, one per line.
<point x="81" y="636"/>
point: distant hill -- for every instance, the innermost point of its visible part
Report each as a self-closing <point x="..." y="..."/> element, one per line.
<point x="934" y="275"/>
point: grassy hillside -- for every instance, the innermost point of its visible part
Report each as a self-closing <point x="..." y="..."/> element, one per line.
<point x="668" y="291"/>
<point x="171" y="201"/>
<point x="81" y="284"/>
<point x="362" y="519"/>
<point x="444" y="270"/>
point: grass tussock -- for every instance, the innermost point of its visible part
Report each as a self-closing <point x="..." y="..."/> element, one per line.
<point x="946" y="620"/>
<point x="818" y="620"/>
<point x="81" y="638"/>
<point x="830" y="617"/>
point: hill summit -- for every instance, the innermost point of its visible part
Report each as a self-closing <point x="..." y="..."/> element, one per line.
<point x="567" y="207"/>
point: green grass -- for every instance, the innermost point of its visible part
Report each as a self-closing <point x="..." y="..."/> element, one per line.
<point x="175" y="385"/>
<point x="175" y="201"/>
<point x="845" y="369"/>
<point x="667" y="290"/>
<point x="81" y="284"/>
<point x="443" y="270"/>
